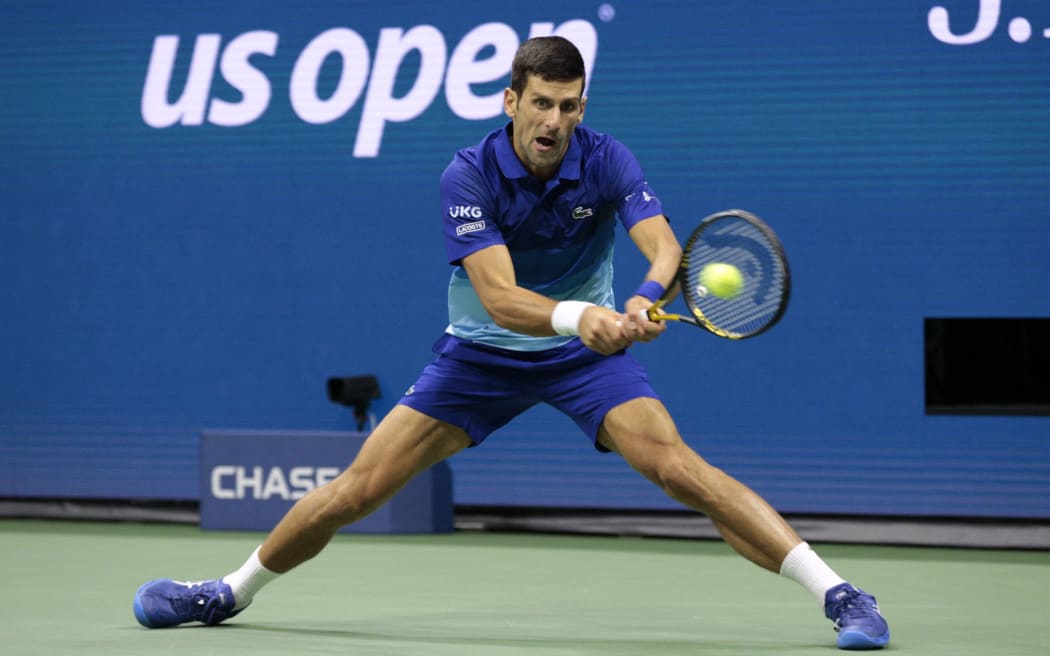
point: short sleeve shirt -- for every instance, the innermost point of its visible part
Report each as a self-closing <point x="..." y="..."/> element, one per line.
<point x="559" y="232"/>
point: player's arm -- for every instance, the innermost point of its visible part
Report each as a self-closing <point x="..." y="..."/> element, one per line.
<point x="655" y="239"/>
<point x="513" y="307"/>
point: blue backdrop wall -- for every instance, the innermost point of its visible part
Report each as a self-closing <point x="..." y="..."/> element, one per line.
<point x="207" y="207"/>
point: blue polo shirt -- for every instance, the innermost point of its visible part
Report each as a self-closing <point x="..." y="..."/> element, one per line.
<point x="559" y="232"/>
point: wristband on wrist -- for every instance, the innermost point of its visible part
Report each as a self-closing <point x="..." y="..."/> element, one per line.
<point x="651" y="290"/>
<point x="565" y="319"/>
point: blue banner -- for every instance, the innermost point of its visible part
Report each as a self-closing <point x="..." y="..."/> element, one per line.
<point x="210" y="208"/>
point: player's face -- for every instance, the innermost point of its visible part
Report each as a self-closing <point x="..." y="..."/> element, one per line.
<point x="544" y="117"/>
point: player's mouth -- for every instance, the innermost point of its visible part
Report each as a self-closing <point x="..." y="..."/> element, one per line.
<point x="545" y="144"/>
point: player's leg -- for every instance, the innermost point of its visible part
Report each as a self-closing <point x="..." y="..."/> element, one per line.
<point x="404" y="444"/>
<point x="644" y="434"/>
<point x="451" y="406"/>
<point x="642" y="431"/>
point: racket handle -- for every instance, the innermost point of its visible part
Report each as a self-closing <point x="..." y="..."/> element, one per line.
<point x="653" y="312"/>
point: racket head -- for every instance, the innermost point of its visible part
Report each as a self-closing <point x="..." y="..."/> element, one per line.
<point x="742" y="239"/>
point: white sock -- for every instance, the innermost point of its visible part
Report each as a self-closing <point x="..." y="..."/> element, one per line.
<point x="248" y="580"/>
<point x="803" y="566"/>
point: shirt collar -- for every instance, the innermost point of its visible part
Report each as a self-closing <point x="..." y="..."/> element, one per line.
<point x="511" y="166"/>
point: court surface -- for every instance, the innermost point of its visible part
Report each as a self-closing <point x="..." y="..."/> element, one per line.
<point x="68" y="586"/>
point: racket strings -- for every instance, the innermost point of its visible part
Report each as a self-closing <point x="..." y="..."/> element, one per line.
<point x="738" y="242"/>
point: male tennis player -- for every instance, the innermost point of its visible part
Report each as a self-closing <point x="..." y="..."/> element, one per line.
<point x="529" y="216"/>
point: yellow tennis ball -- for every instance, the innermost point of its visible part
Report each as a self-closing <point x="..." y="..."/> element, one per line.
<point x="721" y="279"/>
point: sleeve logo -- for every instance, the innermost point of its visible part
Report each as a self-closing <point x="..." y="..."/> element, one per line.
<point x="469" y="227"/>
<point x="464" y="212"/>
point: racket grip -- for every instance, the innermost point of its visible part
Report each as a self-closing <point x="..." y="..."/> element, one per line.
<point x="653" y="312"/>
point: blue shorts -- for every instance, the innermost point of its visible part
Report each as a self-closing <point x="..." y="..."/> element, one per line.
<point x="480" y="388"/>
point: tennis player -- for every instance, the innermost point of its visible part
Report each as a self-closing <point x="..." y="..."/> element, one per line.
<point x="529" y="217"/>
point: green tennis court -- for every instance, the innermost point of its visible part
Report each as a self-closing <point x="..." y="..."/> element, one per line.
<point x="68" y="586"/>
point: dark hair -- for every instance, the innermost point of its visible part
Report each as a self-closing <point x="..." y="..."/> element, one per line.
<point x="550" y="58"/>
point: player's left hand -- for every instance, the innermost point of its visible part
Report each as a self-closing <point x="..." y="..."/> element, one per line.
<point x="636" y="325"/>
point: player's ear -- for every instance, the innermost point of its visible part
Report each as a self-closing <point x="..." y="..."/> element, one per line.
<point x="583" y="108"/>
<point x="510" y="102"/>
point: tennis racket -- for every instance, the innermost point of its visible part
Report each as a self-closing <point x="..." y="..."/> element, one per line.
<point x="744" y="241"/>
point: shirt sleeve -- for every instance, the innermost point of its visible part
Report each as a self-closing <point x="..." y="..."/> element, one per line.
<point x="469" y="211"/>
<point x="634" y="198"/>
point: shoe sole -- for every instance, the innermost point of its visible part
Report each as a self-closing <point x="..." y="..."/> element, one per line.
<point x="858" y="640"/>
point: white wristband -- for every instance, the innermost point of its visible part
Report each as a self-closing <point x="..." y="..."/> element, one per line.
<point x="565" y="320"/>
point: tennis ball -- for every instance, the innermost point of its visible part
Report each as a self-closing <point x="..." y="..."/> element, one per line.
<point x="721" y="279"/>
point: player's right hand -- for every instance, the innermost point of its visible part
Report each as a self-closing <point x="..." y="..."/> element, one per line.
<point x="602" y="330"/>
<point x="637" y="326"/>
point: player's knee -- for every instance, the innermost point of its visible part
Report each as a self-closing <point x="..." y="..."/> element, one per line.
<point x="689" y="479"/>
<point x="674" y="475"/>
<point x="349" y="498"/>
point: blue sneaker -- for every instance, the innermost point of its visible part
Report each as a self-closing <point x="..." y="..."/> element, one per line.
<point x="856" y="617"/>
<point x="163" y="602"/>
